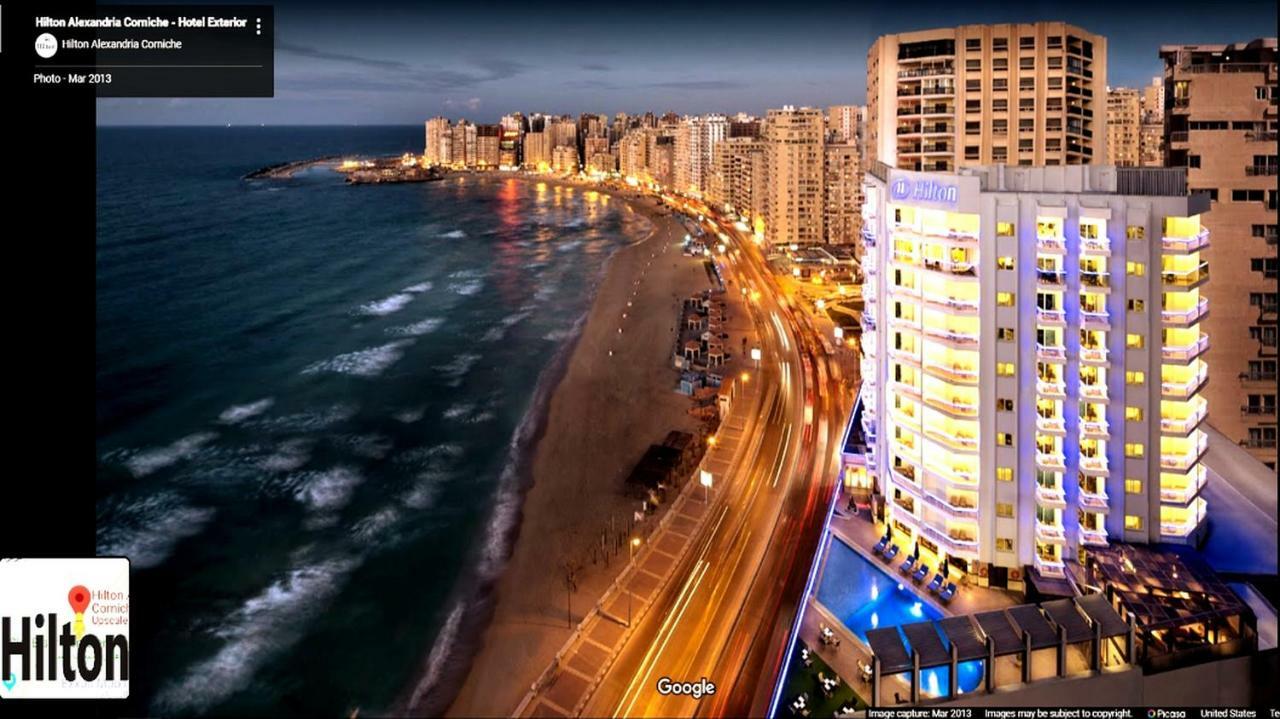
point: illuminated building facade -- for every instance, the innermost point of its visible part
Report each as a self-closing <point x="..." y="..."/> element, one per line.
<point x="439" y="142"/>
<point x="1220" y="124"/>
<point x="1124" y="112"/>
<point x="1017" y="94"/>
<point x="794" y="196"/>
<point x="564" y="160"/>
<point x="487" y="140"/>
<point x="1033" y="362"/>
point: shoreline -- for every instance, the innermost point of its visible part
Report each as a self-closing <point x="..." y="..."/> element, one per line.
<point x="445" y="681"/>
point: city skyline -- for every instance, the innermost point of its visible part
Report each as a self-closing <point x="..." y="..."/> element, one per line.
<point x="336" y="67"/>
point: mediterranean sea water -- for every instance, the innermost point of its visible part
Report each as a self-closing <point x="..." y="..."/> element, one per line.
<point x="308" y="402"/>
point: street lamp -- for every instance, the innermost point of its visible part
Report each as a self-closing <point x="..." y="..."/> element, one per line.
<point x="755" y="355"/>
<point x="631" y="555"/>
<point x="705" y="479"/>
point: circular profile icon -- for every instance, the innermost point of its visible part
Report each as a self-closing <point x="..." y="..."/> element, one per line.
<point x="46" y="45"/>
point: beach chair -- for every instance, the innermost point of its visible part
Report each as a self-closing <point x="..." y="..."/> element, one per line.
<point x="920" y="573"/>
<point x="907" y="565"/>
<point x="948" y="593"/>
<point x="893" y="552"/>
<point x="884" y="541"/>
<point x="936" y="584"/>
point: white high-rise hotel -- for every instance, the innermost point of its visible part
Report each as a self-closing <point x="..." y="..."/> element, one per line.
<point x="1033" y="361"/>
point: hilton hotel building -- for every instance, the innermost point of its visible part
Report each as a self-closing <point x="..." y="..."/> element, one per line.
<point x="1033" y="362"/>
<point x="1018" y="94"/>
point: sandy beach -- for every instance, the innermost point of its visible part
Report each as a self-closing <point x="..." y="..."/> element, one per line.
<point x="603" y="414"/>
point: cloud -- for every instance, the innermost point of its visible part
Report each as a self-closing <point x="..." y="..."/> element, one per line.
<point x="471" y="103"/>
<point x="698" y="85"/>
<point x="596" y="67"/>
<point x="491" y="69"/>
<point x="318" y="54"/>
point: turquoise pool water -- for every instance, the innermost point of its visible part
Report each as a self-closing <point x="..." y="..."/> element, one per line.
<point x="864" y="596"/>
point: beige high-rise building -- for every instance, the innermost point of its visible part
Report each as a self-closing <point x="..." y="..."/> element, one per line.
<point x="1124" y="112"/>
<point x="487" y="139"/>
<point x="595" y="145"/>
<point x="842" y="188"/>
<point x="439" y="141"/>
<point x="844" y="122"/>
<point x="1017" y="94"/>
<point x="633" y="154"/>
<point x="739" y="180"/>
<point x="564" y="160"/>
<point x="1151" y="125"/>
<point x="794" y="199"/>
<point x="537" y="150"/>
<point x="463" y="144"/>
<point x="1221" y="125"/>
<point x="601" y="163"/>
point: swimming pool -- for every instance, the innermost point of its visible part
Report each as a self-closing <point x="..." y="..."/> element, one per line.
<point x="864" y="596"/>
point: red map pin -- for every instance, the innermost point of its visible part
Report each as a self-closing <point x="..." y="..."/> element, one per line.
<point x="78" y="598"/>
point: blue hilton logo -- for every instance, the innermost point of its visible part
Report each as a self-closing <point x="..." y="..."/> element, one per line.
<point x="923" y="190"/>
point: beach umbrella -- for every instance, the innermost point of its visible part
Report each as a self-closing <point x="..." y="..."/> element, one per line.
<point x="916" y="552"/>
<point x="946" y="569"/>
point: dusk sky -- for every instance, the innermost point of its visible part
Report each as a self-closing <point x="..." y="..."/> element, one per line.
<point x="379" y="62"/>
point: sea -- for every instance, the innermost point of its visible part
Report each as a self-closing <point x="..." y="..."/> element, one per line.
<point x="313" y="402"/>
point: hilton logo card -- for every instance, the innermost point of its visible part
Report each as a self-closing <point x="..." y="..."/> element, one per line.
<point x="64" y="628"/>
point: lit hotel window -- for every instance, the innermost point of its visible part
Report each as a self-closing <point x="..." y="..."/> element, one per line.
<point x="1004" y="509"/>
<point x="1133" y="414"/>
<point x="1004" y="369"/>
<point x="1133" y="486"/>
<point x="1137" y="305"/>
<point x="1137" y="269"/>
<point x="1004" y="544"/>
<point x="1004" y="405"/>
<point x="1004" y="474"/>
<point x="1132" y="521"/>
<point x="1134" y="342"/>
<point x="1004" y="229"/>
<point x="1004" y="439"/>
<point x="1004" y="263"/>
<point x="1135" y="232"/>
<point x="1004" y="299"/>
<point x="1004" y="333"/>
<point x="1135" y="450"/>
<point x="1134" y="377"/>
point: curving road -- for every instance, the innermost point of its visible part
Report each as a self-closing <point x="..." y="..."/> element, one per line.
<point x="726" y="613"/>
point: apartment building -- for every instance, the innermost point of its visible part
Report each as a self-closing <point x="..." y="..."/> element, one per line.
<point x="695" y="141"/>
<point x="1151" y="125"/>
<point x="464" y="144"/>
<point x="842" y="193"/>
<point x="1034" y="362"/>
<point x="794" y="196"/>
<point x="564" y="160"/>
<point x="1017" y="94"/>
<point x="487" y="140"/>
<point x="1124" y="114"/>
<point x="1220" y="125"/>
<point x="739" y="178"/>
<point x="439" y="142"/>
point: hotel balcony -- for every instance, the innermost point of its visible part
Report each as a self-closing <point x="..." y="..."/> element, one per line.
<point x="910" y="322"/>
<point x="1186" y="244"/>
<point x="952" y="505"/>
<point x="1052" y="497"/>
<point x="1096" y="392"/>
<point x="1188" y="316"/>
<point x="959" y="544"/>
<point x="904" y="476"/>
<point x="955" y="405"/>
<point x="1050" y="317"/>
<point x="1052" y="244"/>
<point x="906" y="389"/>
<point x="1050" y="533"/>
<point x="1188" y="460"/>
<point x="1187" y="529"/>
<point x="1185" y="425"/>
<point x="1183" y="495"/>
<point x="957" y="441"/>
<point x="952" y="304"/>
<point x="957" y="477"/>
<point x="950" y="371"/>
<point x="1095" y="465"/>
<point x="868" y="236"/>
<point x="1050" y="460"/>
<point x="1050" y="567"/>
<point x="1185" y="279"/>
<point x="952" y="269"/>
<point x="953" y="337"/>
<point x="1095" y="320"/>
<point x="905" y="257"/>
<point x="1092" y="537"/>
<point x="1186" y="353"/>
<point x="1095" y="428"/>
<point x="908" y="130"/>
<point x="905" y="290"/>
<point x="910" y="355"/>
<point x="1051" y="353"/>
<point x="1051" y="425"/>
<point x="1051" y="278"/>
<point x="1100" y="247"/>
<point x="1093" y="501"/>
<point x="1095" y="280"/>
<point x="1093" y="355"/>
<point x="1055" y="388"/>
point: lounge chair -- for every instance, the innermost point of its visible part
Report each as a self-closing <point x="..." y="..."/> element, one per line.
<point x="936" y="584"/>
<point x="893" y="552"/>
<point x="907" y="565"/>
<point x="920" y="573"/>
<point x="880" y="545"/>
<point x="948" y="593"/>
